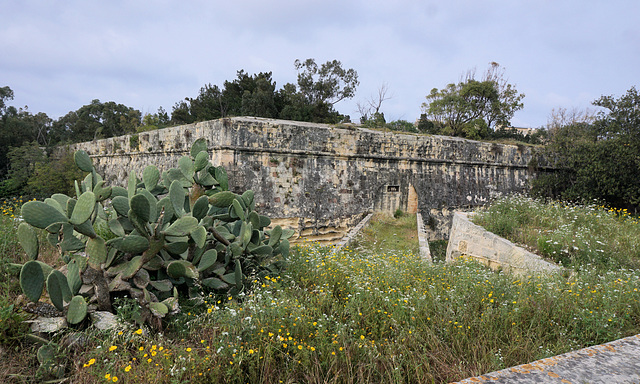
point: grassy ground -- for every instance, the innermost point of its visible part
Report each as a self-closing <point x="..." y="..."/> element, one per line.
<point x="388" y="234"/>
<point x="572" y="235"/>
<point x="352" y="317"/>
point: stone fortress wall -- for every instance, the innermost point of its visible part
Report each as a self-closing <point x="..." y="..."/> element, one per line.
<point x="320" y="179"/>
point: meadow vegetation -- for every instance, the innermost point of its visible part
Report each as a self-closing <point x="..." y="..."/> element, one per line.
<point x="575" y="235"/>
<point x="345" y="317"/>
<point x="388" y="233"/>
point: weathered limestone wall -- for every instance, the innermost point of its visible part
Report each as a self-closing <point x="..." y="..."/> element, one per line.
<point x="470" y="240"/>
<point x="321" y="180"/>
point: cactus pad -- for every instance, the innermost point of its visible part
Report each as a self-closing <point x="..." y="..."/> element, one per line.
<point x="140" y="206"/>
<point x="96" y="251"/>
<point x="28" y="240"/>
<point x="150" y="177"/>
<point x="54" y="287"/>
<point x="41" y="215"/>
<point x="182" y="227"/>
<point x="222" y="199"/>
<point x="182" y="268"/>
<point x="73" y="277"/>
<point x="84" y="208"/>
<point x="32" y="280"/>
<point x="201" y="161"/>
<point x="198" y="146"/>
<point x="207" y="260"/>
<point x="77" y="310"/>
<point x="83" y="161"/>
<point x="158" y="309"/>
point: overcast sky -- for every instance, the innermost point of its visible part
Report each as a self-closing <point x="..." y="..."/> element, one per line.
<point x="59" y="55"/>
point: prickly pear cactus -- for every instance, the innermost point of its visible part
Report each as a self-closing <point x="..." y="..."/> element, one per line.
<point x="172" y="233"/>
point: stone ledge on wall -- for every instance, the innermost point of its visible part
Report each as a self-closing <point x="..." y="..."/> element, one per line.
<point x="471" y="240"/>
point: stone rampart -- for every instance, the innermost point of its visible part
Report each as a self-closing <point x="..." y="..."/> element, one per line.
<point x="320" y="179"/>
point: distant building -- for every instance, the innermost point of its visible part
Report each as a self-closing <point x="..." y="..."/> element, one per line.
<point x="523" y="131"/>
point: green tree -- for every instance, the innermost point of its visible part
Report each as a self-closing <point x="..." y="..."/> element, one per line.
<point x="181" y="113"/>
<point x="260" y="101"/>
<point x="151" y="121"/>
<point x="19" y="126"/>
<point x="96" y="121"/>
<point x="622" y="120"/>
<point x="596" y="158"/>
<point x="320" y="88"/>
<point x="292" y="105"/>
<point x="247" y="95"/>
<point x="22" y="161"/>
<point x="427" y="126"/>
<point x="250" y="95"/>
<point x="5" y="94"/>
<point x="473" y="108"/>
<point x="54" y="175"/>
<point x="327" y="84"/>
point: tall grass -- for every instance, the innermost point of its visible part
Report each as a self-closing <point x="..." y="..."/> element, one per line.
<point x="352" y="317"/>
<point x="390" y="234"/>
<point x="569" y="234"/>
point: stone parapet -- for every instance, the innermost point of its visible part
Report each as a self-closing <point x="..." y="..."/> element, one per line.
<point x="471" y="240"/>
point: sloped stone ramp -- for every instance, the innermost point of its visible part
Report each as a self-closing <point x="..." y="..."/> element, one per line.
<point x="611" y="363"/>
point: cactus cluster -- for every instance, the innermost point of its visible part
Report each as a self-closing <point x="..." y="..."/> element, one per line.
<point x="170" y="233"/>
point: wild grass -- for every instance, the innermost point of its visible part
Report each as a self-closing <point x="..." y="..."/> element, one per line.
<point x="569" y="234"/>
<point x="387" y="233"/>
<point x="352" y="317"/>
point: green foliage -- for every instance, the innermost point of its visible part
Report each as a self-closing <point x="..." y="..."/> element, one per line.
<point x="318" y="89"/>
<point x="22" y="162"/>
<point x="596" y="160"/>
<point x="154" y="121"/>
<point x="134" y="140"/>
<point x="472" y="108"/>
<point x="200" y="235"/>
<point x="54" y="175"/>
<point x="33" y="172"/>
<point x="96" y="120"/>
<point x="248" y="95"/>
<point x="537" y="137"/>
<point x="387" y="233"/>
<point x="358" y="317"/>
<point x="18" y="127"/>
<point x="574" y="235"/>
<point x="402" y="126"/>
<point x="328" y="83"/>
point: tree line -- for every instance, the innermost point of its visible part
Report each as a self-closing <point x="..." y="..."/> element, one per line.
<point x="595" y="155"/>
<point x="25" y="137"/>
